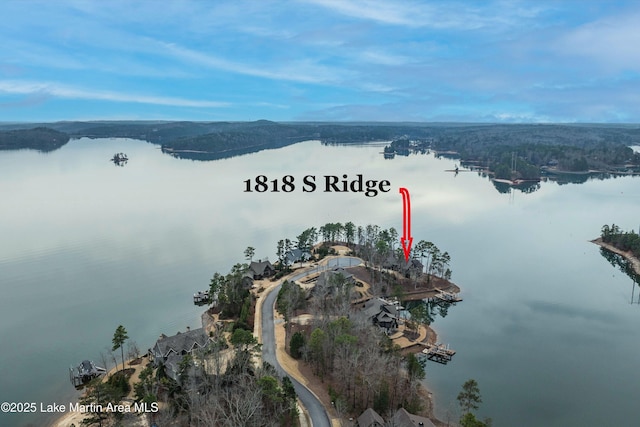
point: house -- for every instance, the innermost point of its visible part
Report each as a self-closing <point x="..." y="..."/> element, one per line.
<point x="370" y="418"/>
<point x="381" y="312"/>
<point x="297" y="255"/>
<point x="329" y="282"/>
<point x="261" y="269"/>
<point x="386" y="320"/>
<point x="402" y="418"/>
<point x="326" y="277"/>
<point x="411" y="268"/>
<point x="169" y="351"/>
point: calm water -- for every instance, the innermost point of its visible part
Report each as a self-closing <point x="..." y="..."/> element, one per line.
<point x="546" y="326"/>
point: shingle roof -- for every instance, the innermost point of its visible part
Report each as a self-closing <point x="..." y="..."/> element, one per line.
<point x="402" y="418"/>
<point x="258" y="267"/>
<point x="383" y="316"/>
<point x="375" y="306"/>
<point x="296" y="255"/>
<point x="182" y="342"/>
<point x="370" y="418"/>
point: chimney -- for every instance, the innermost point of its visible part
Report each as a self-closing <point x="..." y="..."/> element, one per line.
<point x="188" y="328"/>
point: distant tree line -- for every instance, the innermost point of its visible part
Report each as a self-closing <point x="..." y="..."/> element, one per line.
<point x="40" y="138"/>
<point x="574" y="147"/>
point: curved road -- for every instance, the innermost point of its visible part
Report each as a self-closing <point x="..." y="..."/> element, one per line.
<point x="316" y="411"/>
<point x="318" y="414"/>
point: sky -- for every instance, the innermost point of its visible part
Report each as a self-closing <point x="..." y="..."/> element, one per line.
<point x="321" y="60"/>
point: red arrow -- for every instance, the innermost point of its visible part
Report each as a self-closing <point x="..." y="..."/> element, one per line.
<point x="406" y="240"/>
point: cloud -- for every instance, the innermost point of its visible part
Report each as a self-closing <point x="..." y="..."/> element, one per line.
<point x="610" y="43"/>
<point x="70" y="92"/>
<point x="385" y="13"/>
<point x="437" y="15"/>
<point x="383" y="58"/>
<point x="299" y="70"/>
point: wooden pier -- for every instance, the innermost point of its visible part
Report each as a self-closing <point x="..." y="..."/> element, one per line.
<point x="438" y="353"/>
<point x="444" y="297"/>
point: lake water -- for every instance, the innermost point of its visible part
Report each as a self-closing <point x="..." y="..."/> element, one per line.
<point x="546" y="326"/>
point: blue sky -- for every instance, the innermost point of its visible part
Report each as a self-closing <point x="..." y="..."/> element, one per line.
<point x="485" y="61"/>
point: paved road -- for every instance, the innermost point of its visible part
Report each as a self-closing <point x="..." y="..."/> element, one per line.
<point x="316" y="411"/>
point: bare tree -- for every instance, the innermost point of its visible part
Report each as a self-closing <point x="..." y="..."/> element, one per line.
<point x="133" y="352"/>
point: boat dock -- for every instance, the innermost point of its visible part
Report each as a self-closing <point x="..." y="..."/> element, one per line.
<point x="444" y="297"/>
<point x="84" y="372"/>
<point x="201" y="298"/>
<point x="438" y="353"/>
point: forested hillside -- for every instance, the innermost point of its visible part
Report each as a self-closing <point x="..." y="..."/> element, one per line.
<point x="41" y="138"/>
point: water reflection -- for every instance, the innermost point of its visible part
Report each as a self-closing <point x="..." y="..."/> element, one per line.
<point x="433" y="309"/>
<point x="505" y="186"/>
<point x="626" y="267"/>
<point x="524" y="187"/>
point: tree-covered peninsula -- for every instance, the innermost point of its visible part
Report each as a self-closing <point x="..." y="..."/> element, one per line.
<point x="40" y="138"/>
<point x="621" y="249"/>
<point x="626" y="241"/>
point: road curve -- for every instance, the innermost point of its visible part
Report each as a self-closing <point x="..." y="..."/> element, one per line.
<point x="318" y="414"/>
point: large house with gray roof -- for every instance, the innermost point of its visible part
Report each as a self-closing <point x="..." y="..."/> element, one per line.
<point x="261" y="269"/>
<point x="370" y="418"/>
<point x="169" y="351"/>
<point x="381" y="313"/>
<point x="297" y="255"/>
<point x="402" y="418"/>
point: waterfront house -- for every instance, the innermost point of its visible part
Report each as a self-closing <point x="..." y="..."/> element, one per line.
<point x="297" y="255"/>
<point x="403" y="418"/>
<point x="169" y="351"/>
<point x="381" y="312"/>
<point x="411" y="268"/>
<point x="261" y="269"/>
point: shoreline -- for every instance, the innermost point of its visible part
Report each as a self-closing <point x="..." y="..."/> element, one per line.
<point x="302" y="372"/>
<point x="294" y="367"/>
<point x="70" y="418"/>
<point x="635" y="262"/>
